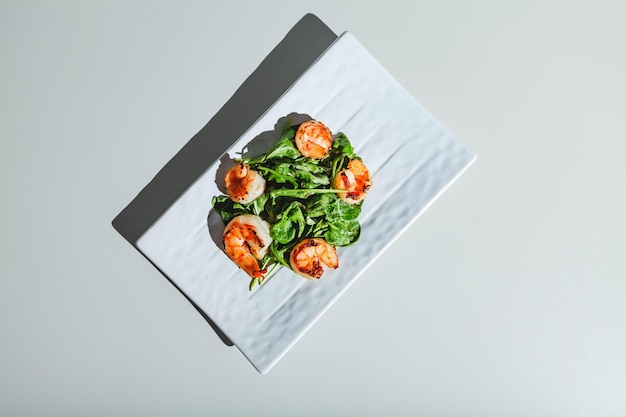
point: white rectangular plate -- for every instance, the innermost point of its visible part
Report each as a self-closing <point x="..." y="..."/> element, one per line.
<point x="411" y="156"/>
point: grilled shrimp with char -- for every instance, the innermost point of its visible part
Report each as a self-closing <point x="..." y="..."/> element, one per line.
<point x="355" y="180"/>
<point x="310" y="256"/>
<point x="246" y="241"/>
<point x="244" y="184"/>
<point x="313" y="139"/>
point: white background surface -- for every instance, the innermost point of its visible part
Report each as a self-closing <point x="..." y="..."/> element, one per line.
<point x="505" y="298"/>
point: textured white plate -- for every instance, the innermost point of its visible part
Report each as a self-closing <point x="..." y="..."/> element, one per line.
<point x="412" y="157"/>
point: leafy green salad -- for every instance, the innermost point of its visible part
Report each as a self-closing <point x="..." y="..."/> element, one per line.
<point x="299" y="200"/>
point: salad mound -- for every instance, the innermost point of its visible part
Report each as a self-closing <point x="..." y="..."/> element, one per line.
<point x="310" y="193"/>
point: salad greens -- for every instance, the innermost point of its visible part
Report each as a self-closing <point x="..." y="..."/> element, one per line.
<point x="299" y="201"/>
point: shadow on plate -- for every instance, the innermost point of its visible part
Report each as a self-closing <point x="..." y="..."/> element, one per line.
<point x="302" y="45"/>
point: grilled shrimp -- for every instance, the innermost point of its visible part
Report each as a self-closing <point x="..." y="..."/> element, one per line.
<point x="246" y="241"/>
<point x="355" y="179"/>
<point x="309" y="257"/>
<point x="243" y="184"/>
<point x="313" y="139"/>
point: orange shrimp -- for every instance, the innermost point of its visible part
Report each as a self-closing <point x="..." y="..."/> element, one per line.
<point x="309" y="257"/>
<point x="243" y="184"/>
<point x="314" y="139"/>
<point x="355" y="179"/>
<point x="246" y="241"/>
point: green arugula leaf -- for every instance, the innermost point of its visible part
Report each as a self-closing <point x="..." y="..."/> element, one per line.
<point x="285" y="147"/>
<point x="342" y="145"/>
<point x="290" y="224"/>
<point x="343" y="233"/>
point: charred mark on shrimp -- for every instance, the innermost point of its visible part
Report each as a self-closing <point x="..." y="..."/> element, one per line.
<point x="246" y="241"/>
<point x="243" y="184"/>
<point x="309" y="257"/>
<point x="355" y="180"/>
<point x="313" y="139"/>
